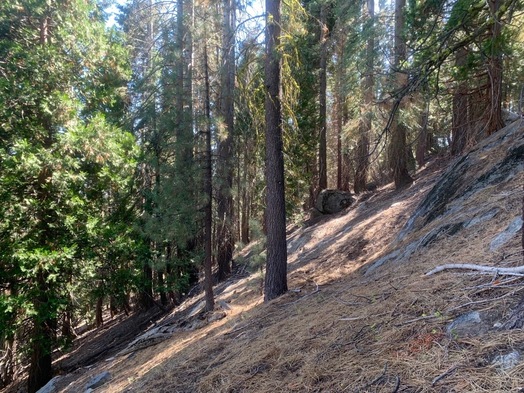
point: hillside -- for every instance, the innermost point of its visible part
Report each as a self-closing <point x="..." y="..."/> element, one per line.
<point x="361" y="315"/>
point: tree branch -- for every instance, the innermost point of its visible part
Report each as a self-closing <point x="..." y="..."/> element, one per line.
<point x="508" y="271"/>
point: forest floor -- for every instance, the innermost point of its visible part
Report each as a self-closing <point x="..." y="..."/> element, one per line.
<point x="360" y="315"/>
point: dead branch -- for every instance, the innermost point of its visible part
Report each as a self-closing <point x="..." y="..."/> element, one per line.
<point x="507" y="271"/>
<point x="446" y="373"/>
<point x="491" y="300"/>
<point x="376" y="380"/>
<point x="418" y="319"/>
<point x="397" y="384"/>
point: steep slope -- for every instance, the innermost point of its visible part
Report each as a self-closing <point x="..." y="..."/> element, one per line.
<point x="361" y="316"/>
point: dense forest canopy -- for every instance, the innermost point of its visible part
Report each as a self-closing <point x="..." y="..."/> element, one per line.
<point x="136" y="156"/>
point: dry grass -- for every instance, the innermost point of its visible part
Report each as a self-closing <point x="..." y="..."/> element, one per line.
<point x="343" y="330"/>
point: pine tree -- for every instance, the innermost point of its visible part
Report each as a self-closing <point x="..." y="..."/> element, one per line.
<point x="276" y="264"/>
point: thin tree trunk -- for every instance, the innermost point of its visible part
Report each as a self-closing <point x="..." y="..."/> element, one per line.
<point x="322" y="150"/>
<point x="340" y="101"/>
<point x="275" y="214"/>
<point x="208" y="192"/>
<point x="146" y="293"/>
<point x="162" y="286"/>
<point x="398" y="149"/>
<point x="422" y="143"/>
<point x="225" y="146"/>
<point x="362" y="162"/>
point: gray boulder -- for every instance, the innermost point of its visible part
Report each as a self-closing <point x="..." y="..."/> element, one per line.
<point x="502" y="238"/>
<point x="507" y="361"/>
<point x="98" y="380"/>
<point x="50" y="386"/>
<point x="333" y="201"/>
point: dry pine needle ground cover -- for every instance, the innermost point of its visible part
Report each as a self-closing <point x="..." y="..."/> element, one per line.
<point x="340" y="329"/>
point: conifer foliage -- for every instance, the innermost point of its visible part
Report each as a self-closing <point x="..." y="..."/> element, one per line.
<point x="67" y="168"/>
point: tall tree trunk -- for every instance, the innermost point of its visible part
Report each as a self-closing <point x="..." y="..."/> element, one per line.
<point x="225" y="166"/>
<point x="322" y="150"/>
<point x="208" y="192"/>
<point x="162" y="286"/>
<point x="364" y="128"/>
<point x="44" y="302"/>
<point x="460" y="131"/>
<point x="340" y="98"/>
<point x="246" y="199"/>
<point x="338" y="125"/>
<point x="398" y="149"/>
<point x="494" y="112"/>
<point x="422" y="143"/>
<point x="99" y="317"/>
<point x="275" y="215"/>
<point x="146" y="294"/>
<point x="43" y="337"/>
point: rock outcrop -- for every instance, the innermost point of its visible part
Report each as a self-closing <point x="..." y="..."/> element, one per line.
<point x="333" y="201"/>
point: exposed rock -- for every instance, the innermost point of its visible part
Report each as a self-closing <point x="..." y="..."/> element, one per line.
<point x="197" y="309"/>
<point x="402" y="254"/>
<point x="467" y="325"/>
<point x="151" y="337"/>
<point x="223" y="305"/>
<point x="333" y="201"/>
<point x="503" y="237"/>
<point x="470" y="174"/>
<point x="379" y="262"/>
<point x="50" y="386"/>
<point x="509" y="117"/>
<point x="314" y="213"/>
<point x="98" y="380"/>
<point x="216" y="316"/>
<point x="507" y="361"/>
<point x="515" y="320"/>
<point x="484" y="216"/>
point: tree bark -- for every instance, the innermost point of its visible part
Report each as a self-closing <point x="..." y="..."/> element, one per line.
<point x="422" y="143"/>
<point x="460" y="131"/>
<point x="275" y="217"/>
<point x="99" y="319"/>
<point x="398" y="149"/>
<point x="494" y="112"/>
<point x="322" y="150"/>
<point x="208" y="192"/>
<point x="43" y="337"/>
<point x="364" y="129"/>
<point x="225" y="147"/>
<point x="340" y="98"/>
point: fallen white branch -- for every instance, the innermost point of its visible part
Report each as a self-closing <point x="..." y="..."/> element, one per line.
<point x="513" y="271"/>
